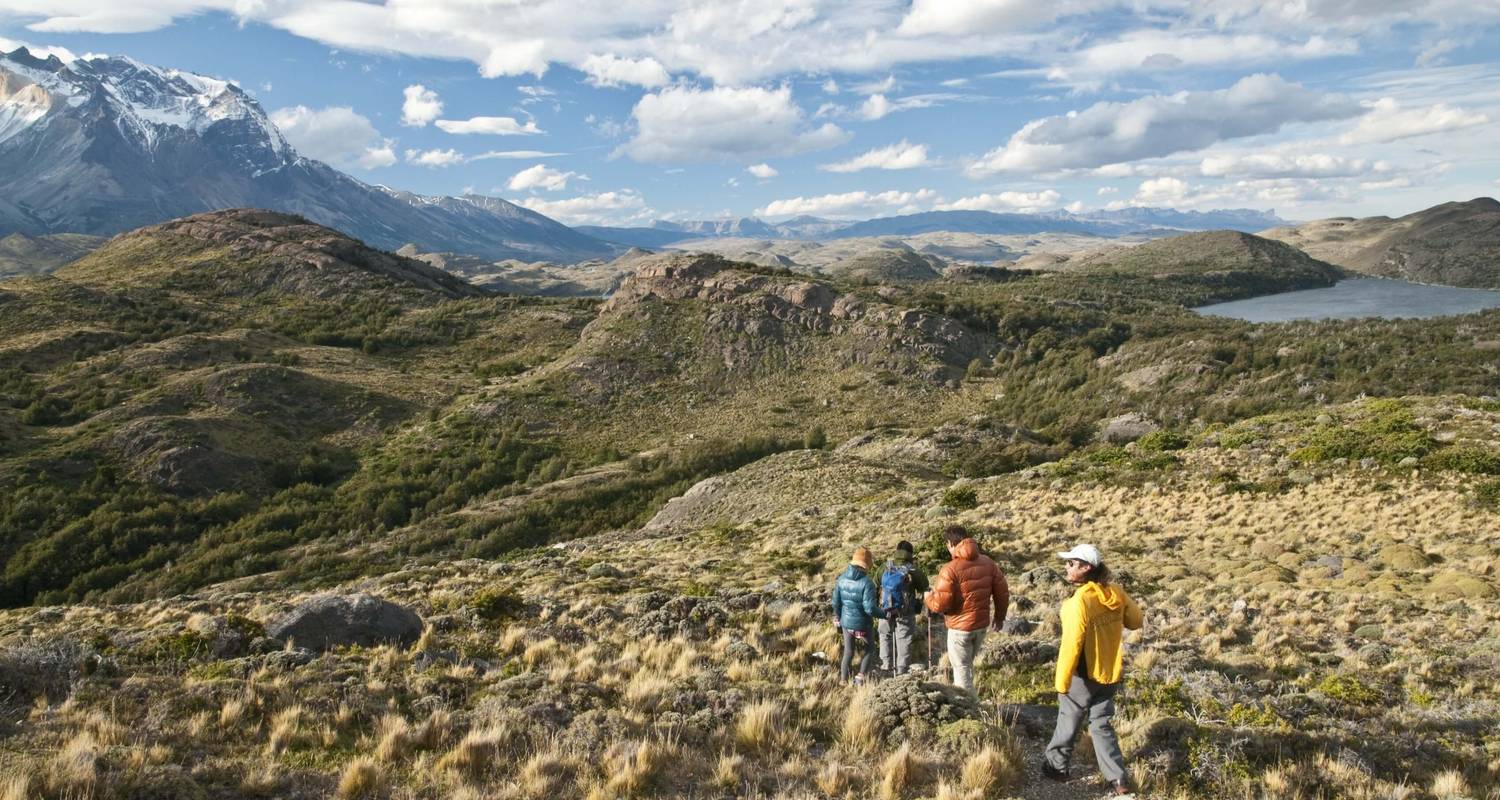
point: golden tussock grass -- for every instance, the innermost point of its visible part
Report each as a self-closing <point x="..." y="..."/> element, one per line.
<point x="361" y="778"/>
<point x="994" y="769"/>
<point x="834" y="779"/>
<point x="728" y="770"/>
<point x="632" y="768"/>
<point x="15" y="787"/>
<point x="1450" y="785"/>
<point x="546" y="774"/>
<point x="286" y="729"/>
<point x="898" y="773"/>
<point x="758" y="725"/>
<point x="860" y="734"/>
<point x="480" y="749"/>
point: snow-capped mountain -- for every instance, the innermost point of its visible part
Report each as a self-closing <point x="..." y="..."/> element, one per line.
<point x="107" y="144"/>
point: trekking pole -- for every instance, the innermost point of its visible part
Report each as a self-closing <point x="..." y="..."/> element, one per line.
<point x="929" y="640"/>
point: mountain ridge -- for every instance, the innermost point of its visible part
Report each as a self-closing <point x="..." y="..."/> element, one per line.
<point x="123" y="144"/>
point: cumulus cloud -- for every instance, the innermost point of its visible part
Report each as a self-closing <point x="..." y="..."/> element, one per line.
<point x="1262" y="192"/>
<point x="762" y="171"/>
<point x="878" y="106"/>
<point x="740" y="42"/>
<point x="901" y="155"/>
<point x="977" y="17"/>
<point x="1156" y="50"/>
<point x="622" y="207"/>
<point x="1277" y="165"/>
<point x="683" y="123"/>
<point x="420" y="105"/>
<point x="542" y="176"/>
<point x="45" y="51"/>
<point x="612" y="70"/>
<point x="336" y="135"/>
<point x="1159" y="125"/>
<point x="1387" y="122"/>
<point x="858" y="203"/>
<point x="493" y="126"/>
<point x="1023" y="202"/>
<point x="434" y="158"/>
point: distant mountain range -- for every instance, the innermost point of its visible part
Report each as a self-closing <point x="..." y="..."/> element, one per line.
<point x="107" y="144"/>
<point x="1094" y="223"/>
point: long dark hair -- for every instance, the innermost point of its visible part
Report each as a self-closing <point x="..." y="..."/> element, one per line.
<point x="1100" y="574"/>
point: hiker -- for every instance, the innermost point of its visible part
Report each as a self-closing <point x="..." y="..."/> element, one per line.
<point x="901" y="585"/>
<point x="854" y="610"/>
<point x="964" y="592"/>
<point x="1089" y="660"/>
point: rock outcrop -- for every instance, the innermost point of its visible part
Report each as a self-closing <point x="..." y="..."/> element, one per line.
<point x="329" y="621"/>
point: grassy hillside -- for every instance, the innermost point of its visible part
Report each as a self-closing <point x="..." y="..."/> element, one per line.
<point x="618" y="520"/>
<point x="1457" y="244"/>
<point x="37" y="255"/>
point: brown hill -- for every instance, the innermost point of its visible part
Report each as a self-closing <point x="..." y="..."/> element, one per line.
<point x="1454" y="243"/>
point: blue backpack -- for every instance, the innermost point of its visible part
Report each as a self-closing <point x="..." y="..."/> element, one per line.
<point x="895" y="588"/>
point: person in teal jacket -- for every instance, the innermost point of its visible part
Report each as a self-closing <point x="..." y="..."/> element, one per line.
<point x="854" y="610"/>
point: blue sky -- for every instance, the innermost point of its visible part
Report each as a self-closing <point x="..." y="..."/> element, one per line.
<point x="620" y="113"/>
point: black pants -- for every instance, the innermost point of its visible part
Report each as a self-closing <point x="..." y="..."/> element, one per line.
<point x="866" y="663"/>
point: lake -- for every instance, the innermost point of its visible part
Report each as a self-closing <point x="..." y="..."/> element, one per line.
<point x="1356" y="298"/>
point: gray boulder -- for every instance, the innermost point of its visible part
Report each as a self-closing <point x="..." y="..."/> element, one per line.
<point x="1127" y="428"/>
<point x="329" y="621"/>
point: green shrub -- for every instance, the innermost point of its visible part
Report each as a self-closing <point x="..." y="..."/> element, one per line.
<point x="1346" y="688"/>
<point x="1163" y="440"/>
<point x="961" y="498"/>
<point x="496" y="603"/>
<point x="1469" y="459"/>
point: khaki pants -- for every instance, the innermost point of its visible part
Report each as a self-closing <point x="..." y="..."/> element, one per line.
<point x="963" y="646"/>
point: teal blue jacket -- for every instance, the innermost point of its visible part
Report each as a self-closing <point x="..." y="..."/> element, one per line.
<point x="855" y="600"/>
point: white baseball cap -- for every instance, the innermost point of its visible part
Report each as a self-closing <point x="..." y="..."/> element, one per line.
<point x="1086" y="553"/>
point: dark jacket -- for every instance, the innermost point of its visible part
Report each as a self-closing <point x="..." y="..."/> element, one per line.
<point x="966" y="587"/>
<point x="854" y="600"/>
<point x="918" y="584"/>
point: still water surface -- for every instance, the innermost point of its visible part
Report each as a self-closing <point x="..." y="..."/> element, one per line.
<point x="1359" y="297"/>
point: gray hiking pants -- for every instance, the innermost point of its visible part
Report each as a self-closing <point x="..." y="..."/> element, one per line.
<point x="895" y="643"/>
<point x="1096" y="701"/>
<point x="865" y="663"/>
<point x="963" y="646"/>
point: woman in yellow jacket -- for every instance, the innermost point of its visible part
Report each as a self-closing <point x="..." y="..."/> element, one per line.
<point x="1089" y="659"/>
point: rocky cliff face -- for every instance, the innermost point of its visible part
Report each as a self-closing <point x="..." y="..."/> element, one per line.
<point x="750" y="313"/>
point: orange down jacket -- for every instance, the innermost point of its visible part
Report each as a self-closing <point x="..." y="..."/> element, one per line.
<point x="967" y="587"/>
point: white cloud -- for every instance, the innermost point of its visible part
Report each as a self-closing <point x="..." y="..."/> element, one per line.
<point x="901" y="155"/>
<point x="419" y="106"/>
<point x="1107" y="190"/>
<point x="977" y="17"/>
<point x="1436" y="53"/>
<point x="376" y="157"/>
<point x="336" y="135"/>
<point x="742" y="42"/>
<point x="1024" y="202"/>
<point x="830" y="86"/>
<point x="493" y="154"/>
<point x="859" y="203"/>
<point x="1171" y="51"/>
<point x="493" y="126"/>
<point x="611" y="70"/>
<point x="46" y="51"/>
<point x="1159" y="125"/>
<point x="1255" y="192"/>
<point x="875" y="107"/>
<point x="434" y="158"/>
<point x="682" y="123"/>
<point x="1386" y="122"/>
<point x="876" y="87"/>
<point x="1276" y="165"/>
<point x="762" y="171"/>
<point x="622" y="207"/>
<point x="542" y="176"/>
<point x="1161" y="191"/>
<point x="1075" y="207"/>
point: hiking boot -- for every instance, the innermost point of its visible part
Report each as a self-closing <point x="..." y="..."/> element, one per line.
<point x="1121" y="789"/>
<point x="1053" y="773"/>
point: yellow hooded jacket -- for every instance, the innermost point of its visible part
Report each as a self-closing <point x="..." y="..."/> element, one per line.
<point x="1094" y="620"/>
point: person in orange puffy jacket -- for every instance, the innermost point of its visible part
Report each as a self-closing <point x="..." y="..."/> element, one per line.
<point x="965" y="590"/>
<point x="1089" y="666"/>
